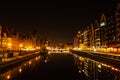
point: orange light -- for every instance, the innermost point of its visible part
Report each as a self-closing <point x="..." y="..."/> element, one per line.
<point x="20" y="70"/>
<point x="21" y="45"/>
<point x="115" y="50"/>
<point x="116" y="69"/>
<point x="113" y="68"/>
<point x="8" y="76"/>
<point x="36" y="58"/>
<point x="30" y="62"/>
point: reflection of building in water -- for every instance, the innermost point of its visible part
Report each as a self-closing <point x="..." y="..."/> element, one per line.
<point x="96" y="70"/>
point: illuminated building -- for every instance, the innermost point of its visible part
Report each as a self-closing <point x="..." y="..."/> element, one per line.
<point x="88" y="36"/>
<point x="113" y="26"/>
<point x="10" y="39"/>
<point x="117" y="19"/>
<point x="97" y="34"/>
<point x="92" y="36"/>
<point x="30" y="41"/>
<point x="26" y="41"/>
<point x="85" y="38"/>
<point x="103" y="30"/>
<point x="68" y="46"/>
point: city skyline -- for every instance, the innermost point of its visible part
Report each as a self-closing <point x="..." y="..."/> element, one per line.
<point x="56" y="21"/>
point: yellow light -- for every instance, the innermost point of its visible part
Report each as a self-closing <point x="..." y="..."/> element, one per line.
<point x="39" y="57"/>
<point x="112" y="48"/>
<point x="37" y="47"/>
<point x="78" y="32"/>
<point x="79" y="48"/>
<point x="74" y="48"/>
<point x="36" y="58"/>
<point x="21" y="45"/>
<point x="48" y="48"/>
<point x="9" y="44"/>
<point x="8" y="76"/>
<point x="99" y="66"/>
<point x="49" y="53"/>
<point x="94" y="50"/>
<point x="30" y="62"/>
<point x="81" y="59"/>
<point x="68" y="48"/>
<point x="30" y="47"/>
<point x="27" y="49"/>
<point x="25" y="64"/>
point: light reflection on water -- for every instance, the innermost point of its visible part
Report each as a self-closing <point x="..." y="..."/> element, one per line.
<point x="95" y="70"/>
<point x="13" y="73"/>
<point x="92" y="69"/>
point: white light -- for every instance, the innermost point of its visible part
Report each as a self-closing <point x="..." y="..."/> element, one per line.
<point x="102" y="24"/>
<point x="79" y="71"/>
<point x="45" y="60"/>
<point x="82" y="70"/>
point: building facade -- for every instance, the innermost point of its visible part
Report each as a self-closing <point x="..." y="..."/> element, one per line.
<point x="117" y="20"/>
<point x="11" y="40"/>
<point x="104" y="32"/>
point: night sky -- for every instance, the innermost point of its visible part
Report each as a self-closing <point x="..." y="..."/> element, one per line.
<point x="57" y="21"/>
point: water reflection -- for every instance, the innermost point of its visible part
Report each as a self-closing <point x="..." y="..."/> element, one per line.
<point x="17" y="71"/>
<point x="95" y="70"/>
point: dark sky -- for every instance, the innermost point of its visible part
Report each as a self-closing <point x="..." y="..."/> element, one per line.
<point x="58" y="21"/>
